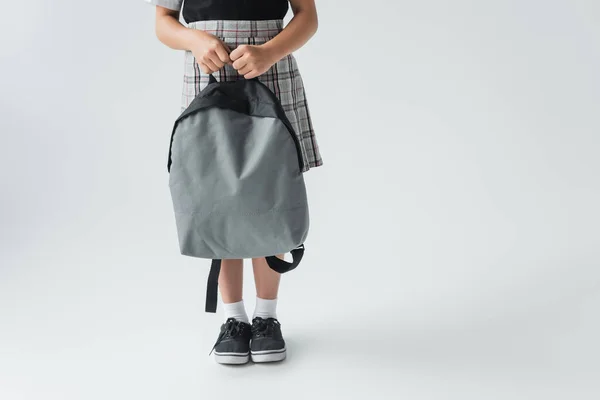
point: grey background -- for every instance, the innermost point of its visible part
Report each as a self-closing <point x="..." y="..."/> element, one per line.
<point x="454" y="245"/>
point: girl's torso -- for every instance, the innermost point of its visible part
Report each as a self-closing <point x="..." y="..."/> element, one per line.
<point x="204" y="10"/>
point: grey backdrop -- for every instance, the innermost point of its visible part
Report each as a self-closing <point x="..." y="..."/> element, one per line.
<point x="454" y="246"/>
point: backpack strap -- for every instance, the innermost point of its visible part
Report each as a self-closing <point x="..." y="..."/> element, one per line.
<point x="283" y="266"/>
<point x="212" y="286"/>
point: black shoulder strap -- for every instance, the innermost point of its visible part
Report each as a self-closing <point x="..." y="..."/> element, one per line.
<point x="283" y="266"/>
<point x="212" y="286"/>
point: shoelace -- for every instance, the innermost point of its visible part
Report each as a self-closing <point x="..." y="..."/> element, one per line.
<point x="264" y="327"/>
<point x="232" y="329"/>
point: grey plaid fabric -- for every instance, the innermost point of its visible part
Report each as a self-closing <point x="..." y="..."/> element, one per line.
<point x="283" y="78"/>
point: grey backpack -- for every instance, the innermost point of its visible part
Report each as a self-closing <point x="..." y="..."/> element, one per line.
<point x="235" y="176"/>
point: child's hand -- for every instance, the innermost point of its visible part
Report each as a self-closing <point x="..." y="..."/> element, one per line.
<point x="210" y="52"/>
<point x="251" y="60"/>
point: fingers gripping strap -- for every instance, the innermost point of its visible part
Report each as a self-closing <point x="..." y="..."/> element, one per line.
<point x="283" y="266"/>
<point x="212" y="286"/>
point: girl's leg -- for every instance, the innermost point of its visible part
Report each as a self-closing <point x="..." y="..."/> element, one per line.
<point x="267" y="340"/>
<point x="265" y="279"/>
<point x="267" y="288"/>
<point x="233" y="342"/>
<point x="231" y="280"/>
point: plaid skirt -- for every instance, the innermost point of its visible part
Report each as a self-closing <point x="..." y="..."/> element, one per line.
<point x="283" y="78"/>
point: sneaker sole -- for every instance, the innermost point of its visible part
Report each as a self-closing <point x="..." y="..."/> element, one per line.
<point x="268" y="356"/>
<point x="232" y="358"/>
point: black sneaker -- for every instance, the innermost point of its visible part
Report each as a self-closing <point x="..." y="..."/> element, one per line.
<point x="267" y="342"/>
<point x="233" y="343"/>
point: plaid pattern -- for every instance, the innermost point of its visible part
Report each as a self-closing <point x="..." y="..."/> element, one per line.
<point x="283" y="78"/>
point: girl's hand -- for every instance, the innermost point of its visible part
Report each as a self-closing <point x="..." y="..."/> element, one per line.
<point x="251" y="60"/>
<point x="210" y="52"/>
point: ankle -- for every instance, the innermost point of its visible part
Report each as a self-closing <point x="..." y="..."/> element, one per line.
<point x="235" y="310"/>
<point x="265" y="308"/>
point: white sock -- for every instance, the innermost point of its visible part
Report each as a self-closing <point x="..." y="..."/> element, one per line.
<point x="236" y="310"/>
<point x="265" y="308"/>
